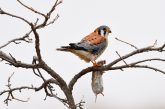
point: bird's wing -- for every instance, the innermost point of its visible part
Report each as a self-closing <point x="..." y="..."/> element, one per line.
<point x="94" y="39"/>
<point x="92" y="43"/>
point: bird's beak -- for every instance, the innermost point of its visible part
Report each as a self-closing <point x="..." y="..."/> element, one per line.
<point x="109" y="31"/>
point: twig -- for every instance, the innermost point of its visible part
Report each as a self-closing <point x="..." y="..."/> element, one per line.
<point x="53" y="8"/>
<point x="46" y="82"/>
<point x="13" y="58"/>
<point x="23" y="38"/>
<point x="9" y="80"/>
<point x="155" y="43"/>
<point x="10" y="94"/>
<point x="142" y="50"/>
<point x="12" y="15"/>
<point x="149" y="67"/>
<point x="31" y="9"/>
<point x="15" y="89"/>
<point x="9" y="59"/>
<point x="47" y="17"/>
<point x="80" y="104"/>
<point x="121" y="58"/>
<point x="51" y="22"/>
<point x="127" y="43"/>
<point x="146" y="60"/>
<point x="18" y="39"/>
<point x="113" y="63"/>
<point x="132" y="65"/>
<point x="11" y="90"/>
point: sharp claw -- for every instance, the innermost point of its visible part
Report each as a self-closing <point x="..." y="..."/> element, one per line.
<point x="95" y="64"/>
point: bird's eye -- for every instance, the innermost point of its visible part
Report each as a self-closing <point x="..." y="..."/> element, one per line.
<point x="104" y="29"/>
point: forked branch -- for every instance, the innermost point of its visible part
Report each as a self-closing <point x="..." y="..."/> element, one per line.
<point x="113" y="65"/>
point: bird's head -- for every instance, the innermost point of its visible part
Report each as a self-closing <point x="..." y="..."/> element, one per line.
<point x="103" y="30"/>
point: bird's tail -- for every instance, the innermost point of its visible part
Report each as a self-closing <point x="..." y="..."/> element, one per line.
<point x="68" y="48"/>
<point x="64" y="48"/>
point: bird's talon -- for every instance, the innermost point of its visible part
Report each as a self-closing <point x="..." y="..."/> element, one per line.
<point x="96" y="65"/>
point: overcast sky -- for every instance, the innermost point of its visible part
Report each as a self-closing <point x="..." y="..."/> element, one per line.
<point x="140" y="22"/>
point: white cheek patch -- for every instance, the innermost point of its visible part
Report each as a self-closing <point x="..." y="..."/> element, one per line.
<point x="102" y="32"/>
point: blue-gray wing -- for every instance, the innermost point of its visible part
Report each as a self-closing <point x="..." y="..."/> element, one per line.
<point x="84" y="45"/>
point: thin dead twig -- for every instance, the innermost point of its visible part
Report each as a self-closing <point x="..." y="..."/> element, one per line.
<point x="12" y="15"/>
<point x="31" y="9"/>
<point x="47" y="17"/>
<point x="18" y="39"/>
<point x="53" y="7"/>
<point x="23" y="38"/>
<point x="147" y="60"/>
<point x="80" y="104"/>
<point x="142" y="50"/>
<point x="10" y="92"/>
<point x="149" y="67"/>
<point x="51" y="22"/>
<point x="10" y="60"/>
<point x="111" y="65"/>
<point x="121" y="58"/>
<point x="127" y="43"/>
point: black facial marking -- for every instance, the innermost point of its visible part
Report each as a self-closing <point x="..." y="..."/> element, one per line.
<point x="104" y="29"/>
<point x="99" y="32"/>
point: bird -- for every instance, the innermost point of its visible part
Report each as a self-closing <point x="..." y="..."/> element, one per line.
<point x="91" y="46"/>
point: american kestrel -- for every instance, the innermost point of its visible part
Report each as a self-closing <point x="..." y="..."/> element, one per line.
<point x="91" y="46"/>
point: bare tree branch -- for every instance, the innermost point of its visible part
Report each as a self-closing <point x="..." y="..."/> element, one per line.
<point x="147" y="60"/>
<point x="51" y="22"/>
<point x="62" y="85"/>
<point x="142" y="50"/>
<point x="111" y="64"/>
<point x="10" y="60"/>
<point x="24" y="38"/>
<point x="31" y="9"/>
<point x="126" y="43"/>
<point x="47" y="17"/>
<point x="10" y="94"/>
<point x="136" y="66"/>
<point x="54" y="7"/>
<point x="37" y="43"/>
<point x="121" y="58"/>
<point x="149" y="67"/>
<point x="12" y="15"/>
<point x="80" y="104"/>
<point x="43" y="86"/>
